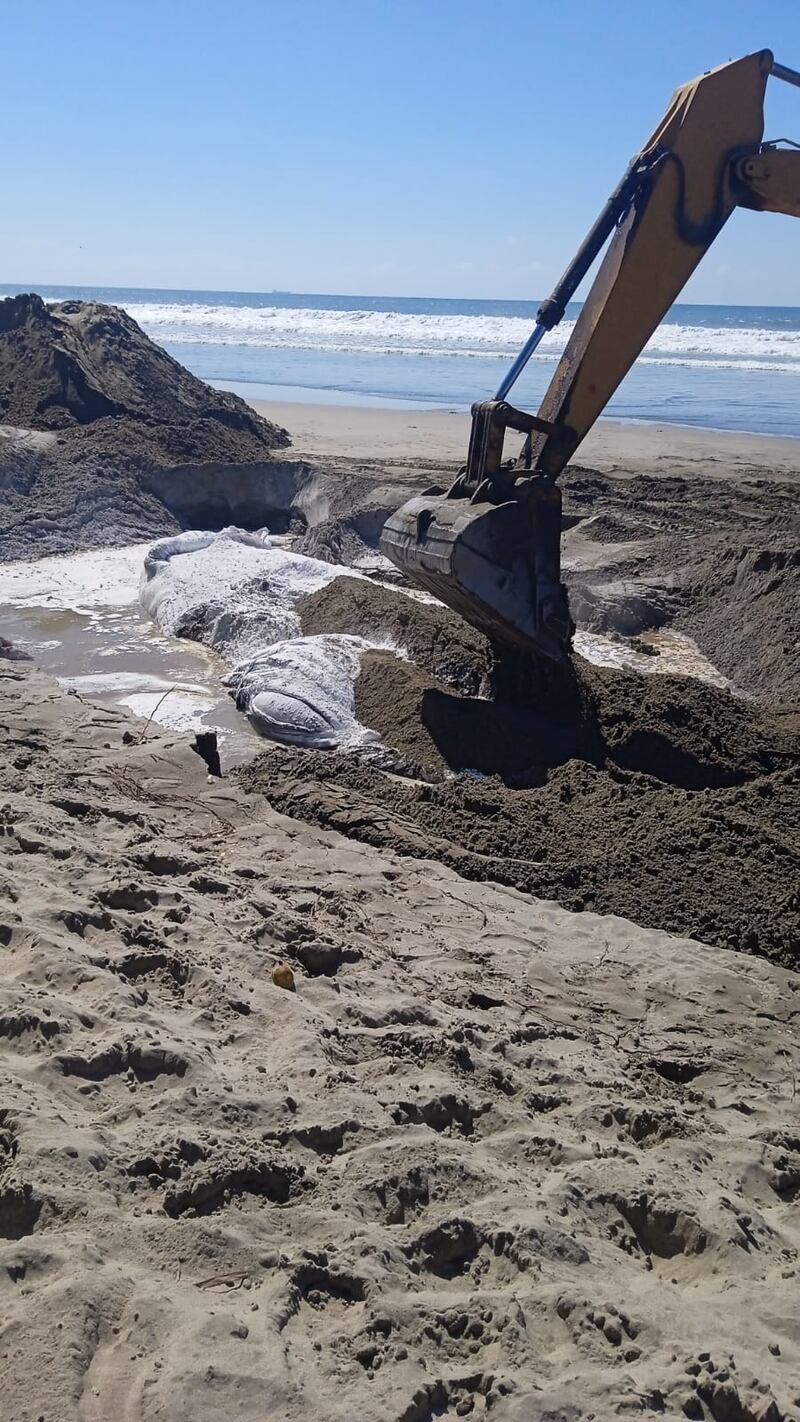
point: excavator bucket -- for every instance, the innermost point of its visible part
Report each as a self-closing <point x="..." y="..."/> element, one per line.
<point x="496" y="564"/>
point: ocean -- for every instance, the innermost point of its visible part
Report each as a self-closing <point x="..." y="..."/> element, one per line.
<point x="720" y="367"/>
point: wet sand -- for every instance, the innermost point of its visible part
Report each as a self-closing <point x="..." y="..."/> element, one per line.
<point x="346" y="432"/>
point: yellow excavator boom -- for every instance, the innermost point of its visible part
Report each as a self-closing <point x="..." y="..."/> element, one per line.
<point x="490" y="546"/>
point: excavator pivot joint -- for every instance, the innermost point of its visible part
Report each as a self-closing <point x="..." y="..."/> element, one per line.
<point x="490" y="420"/>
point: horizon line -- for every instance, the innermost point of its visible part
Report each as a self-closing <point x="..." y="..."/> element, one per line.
<point x="22" y="288"/>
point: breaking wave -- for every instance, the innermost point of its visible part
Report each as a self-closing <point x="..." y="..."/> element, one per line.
<point x="419" y="334"/>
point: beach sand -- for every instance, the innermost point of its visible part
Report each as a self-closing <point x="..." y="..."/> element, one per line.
<point x="441" y="436"/>
<point x="490" y="1157"/>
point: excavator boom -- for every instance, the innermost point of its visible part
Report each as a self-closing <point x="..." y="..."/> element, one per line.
<point x="490" y="546"/>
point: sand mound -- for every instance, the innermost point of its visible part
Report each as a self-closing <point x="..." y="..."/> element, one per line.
<point x="430" y="634"/>
<point x="79" y="363"/>
<point x="676" y="729"/>
<point x="106" y="440"/>
<point x="656" y="798"/>
<point x="745" y="601"/>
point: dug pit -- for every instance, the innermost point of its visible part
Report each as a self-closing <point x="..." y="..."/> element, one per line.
<point x="640" y="793"/>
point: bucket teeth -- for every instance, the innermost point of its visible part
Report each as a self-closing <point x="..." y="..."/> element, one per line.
<point x="497" y="565"/>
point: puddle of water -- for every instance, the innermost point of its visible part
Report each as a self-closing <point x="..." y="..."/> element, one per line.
<point x="79" y="618"/>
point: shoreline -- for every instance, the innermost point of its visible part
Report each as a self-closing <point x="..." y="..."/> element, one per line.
<point x="360" y="432"/>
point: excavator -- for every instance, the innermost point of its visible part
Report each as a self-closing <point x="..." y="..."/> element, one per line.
<point x="490" y="547"/>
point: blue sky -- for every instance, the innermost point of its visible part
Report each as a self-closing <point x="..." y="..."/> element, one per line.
<point x="408" y="147"/>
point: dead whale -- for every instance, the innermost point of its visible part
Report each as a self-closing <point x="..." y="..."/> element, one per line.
<point x="237" y="592"/>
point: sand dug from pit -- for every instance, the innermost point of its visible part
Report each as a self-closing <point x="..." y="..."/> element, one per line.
<point x="74" y="364"/>
<point x="98" y="421"/>
<point x="427" y="632"/>
<point x="657" y="798"/>
<point x="490" y="1158"/>
<point x="713" y="556"/>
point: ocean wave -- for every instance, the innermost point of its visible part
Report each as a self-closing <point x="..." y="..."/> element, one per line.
<point x="452" y="335"/>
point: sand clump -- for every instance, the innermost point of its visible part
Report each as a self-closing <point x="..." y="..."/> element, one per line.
<point x="488" y="1158"/>
<point x="428" y="633"/>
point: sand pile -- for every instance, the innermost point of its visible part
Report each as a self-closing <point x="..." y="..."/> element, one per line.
<point x="656" y="798"/>
<point x="746" y="601"/>
<point x="106" y="440"/>
<point x="675" y="729"/>
<point x="79" y="363"/>
<point x="428" y="633"/>
<point x="490" y="1159"/>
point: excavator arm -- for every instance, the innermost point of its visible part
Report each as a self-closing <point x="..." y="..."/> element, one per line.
<point x="490" y="547"/>
<point x="700" y="164"/>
